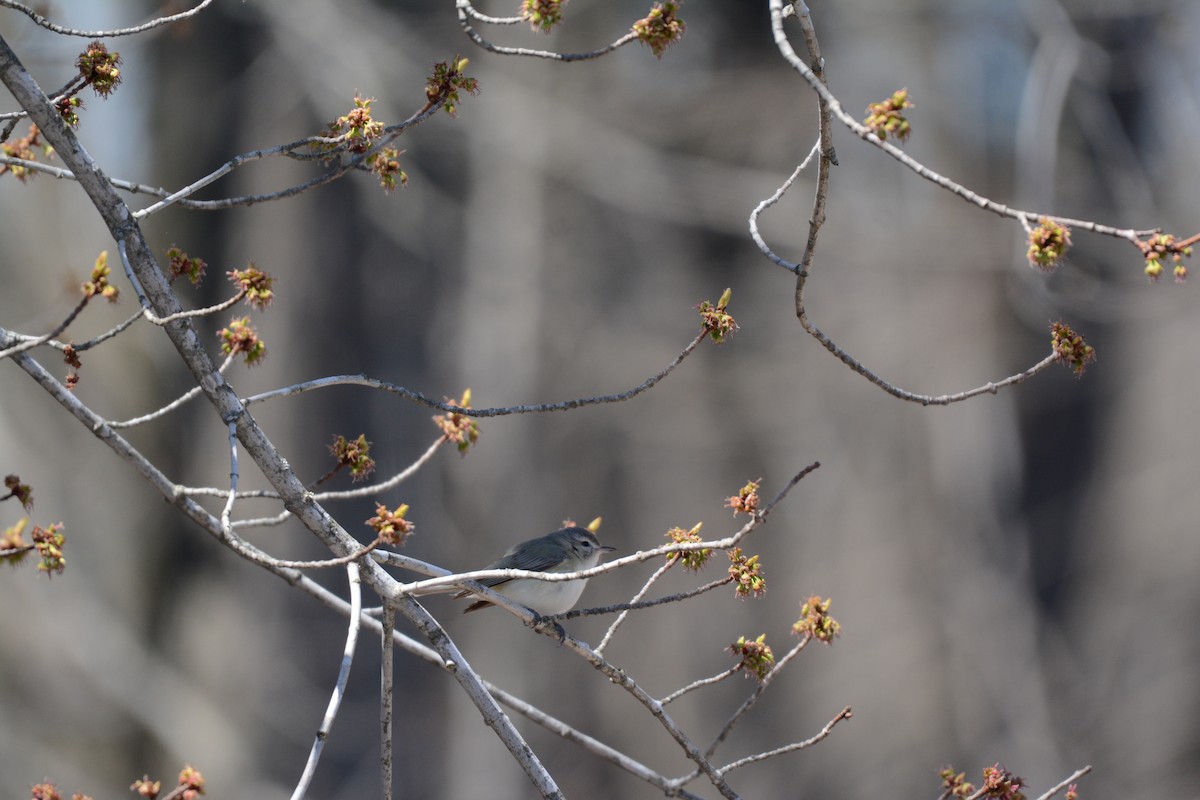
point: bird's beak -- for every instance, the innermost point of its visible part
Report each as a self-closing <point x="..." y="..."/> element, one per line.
<point x="607" y="548"/>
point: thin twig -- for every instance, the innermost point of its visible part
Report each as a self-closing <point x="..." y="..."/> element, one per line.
<point x="227" y="511"/>
<point x="327" y="563"/>
<point x="198" y="312"/>
<point x="592" y="745"/>
<point x="772" y="200"/>
<point x="466" y="10"/>
<point x="62" y="326"/>
<point x="720" y="676"/>
<point x="377" y="488"/>
<point x="90" y="343"/>
<point x="174" y="404"/>
<point x="103" y="34"/>
<point x="828" y="104"/>
<point x="418" y="397"/>
<point x="110" y="333"/>
<point x="641" y="604"/>
<point x="863" y="132"/>
<point x="622" y="679"/>
<point x="386" y="676"/>
<point x="790" y="748"/>
<point x="339" y="689"/>
<point x="263" y="522"/>
<point x="1079" y="773"/>
<point x="479" y="15"/>
<point x="749" y="702"/>
<point x="197" y="205"/>
<point x="616" y="623"/>
<point x="371" y="490"/>
<point x="73" y="87"/>
<point x="391" y="133"/>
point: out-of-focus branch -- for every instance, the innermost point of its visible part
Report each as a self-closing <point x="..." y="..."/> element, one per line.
<point x="863" y="132"/>
<point x="828" y="105"/>
<point x="390" y="134"/>
<point x="466" y="12"/>
<point x="1063" y="784"/>
<point x="386" y="679"/>
<point x="104" y="34"/>
<point x="181" y="197"/>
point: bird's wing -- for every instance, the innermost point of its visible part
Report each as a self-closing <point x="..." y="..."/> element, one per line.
<point x="535" y="559"/>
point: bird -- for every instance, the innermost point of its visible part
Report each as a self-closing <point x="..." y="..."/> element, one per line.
<point x="566" y="550"/>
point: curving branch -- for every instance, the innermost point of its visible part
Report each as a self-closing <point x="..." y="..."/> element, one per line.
<point x="178" y="402"/>
<point x="829" y="105"/>
<point x="500" y="411"/>
<point x="466" y="12"/>
<point x="833" y="106"/>
<point x="104" y="34"/>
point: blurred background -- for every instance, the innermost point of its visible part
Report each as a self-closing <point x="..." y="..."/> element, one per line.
<point x="1015" y="575"/>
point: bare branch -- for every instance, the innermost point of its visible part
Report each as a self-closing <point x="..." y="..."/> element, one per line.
<point x="29" y="344"/>
<point x="720" y="676"/>
<point x="772" y="200"/>
<point x="1079" y="773"/>
<point x="479" y="15"/>
<point x="466" y="10"/>
<point x="741" y="762"/>
<point x="658" y="601"/>
<point x="834" y="106"/>
<point x="386" y="677"/>
<point x="748" y="704"/>
<point x="103" y="34"/>
<point x="828" y="103"/>
<point x="616" y="623"/>
<point x="418" y="397"/>
<point x="592" y="745"/>
<point x="371" y="490"/>
<point x="198" y="312"/>
<point x="391" y="133"/>
<point x="622" y="679"/>
<point x="174" y="404"/>
<point x="339" y="688"/>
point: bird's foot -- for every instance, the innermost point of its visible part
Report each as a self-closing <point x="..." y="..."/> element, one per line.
<point x="545" y="624"/>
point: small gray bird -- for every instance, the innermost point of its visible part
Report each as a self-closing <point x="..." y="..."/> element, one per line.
<point x="565" y="550"/>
